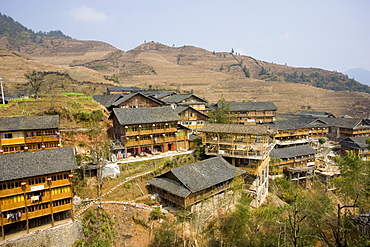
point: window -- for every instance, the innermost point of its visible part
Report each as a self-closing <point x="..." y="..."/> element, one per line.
<point x="8" y="136"/>
<point x="49" y="132"/>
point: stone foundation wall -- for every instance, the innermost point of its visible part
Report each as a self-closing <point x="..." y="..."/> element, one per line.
<point x="60" y="236"/>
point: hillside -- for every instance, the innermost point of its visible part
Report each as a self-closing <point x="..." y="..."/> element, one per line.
<point x="90" y="66"/>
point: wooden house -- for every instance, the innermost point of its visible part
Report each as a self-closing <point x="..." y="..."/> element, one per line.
<point x="363" y="224"/>
<point x="21" y="134"/>
<point x="35" y="188"/>
<point x="316" y="114"/>
<point x="356" y="144"/>
<point x="159" y="94"/>
<point x="293" y="157"/>
<point x="148" y="129"/>
<point x="191" y="118"/>
<point x="295" y="130"/>
<point x="250" y="113"/>
<point x="341" y="128"/>
<point x="134" y="100"/>
<point x="122" y="90"/>
<point x="245" y="146"/>
<point x="189" y="184"/>
<point x="191" y="100"/>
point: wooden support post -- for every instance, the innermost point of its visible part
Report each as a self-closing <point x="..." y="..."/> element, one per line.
<point x="51" y="202"/>
<point x="2" y="220"/>
<point x="72" y="211"/>
<point x="26" y="208"/>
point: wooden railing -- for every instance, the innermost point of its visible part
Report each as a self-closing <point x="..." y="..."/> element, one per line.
<point x="36" y="139"/>
<point x="12" y="141"/>
<point x="152" y="141"/>
<point x="19" y="190"/>
<point x="39" y="213"/>
<point x="62" y="208"/>
<point x="151" y="131"/>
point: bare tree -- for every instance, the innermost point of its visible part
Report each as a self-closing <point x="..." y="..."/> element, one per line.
<point x="36" y="78"/>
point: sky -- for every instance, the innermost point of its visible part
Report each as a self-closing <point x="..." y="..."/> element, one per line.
<point x="328" y="34"/>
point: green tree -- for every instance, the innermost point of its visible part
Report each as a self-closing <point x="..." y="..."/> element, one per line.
<point x="220" y="113"/>
<point x="165" y="236"/>
<point x="246" y="72"/>
<point x="354" y="182"/>
<point x="263" y="71"/>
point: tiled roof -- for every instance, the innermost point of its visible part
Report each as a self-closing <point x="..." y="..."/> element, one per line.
<point x="290" y="152"/>
<point x="350" y="123"/>
<point x="145" y="115"/>
<point x="159" y="94"/>
<point x="251" y="106"/>
<point x="174" y="187"/>
<point x="292" y="122"/>
<point x="29" y="123"/>
<point x="126" y="89"/>
<point x="197" y="176"/>
<point x="358" y="141"/>
<point x="117" y="99"/>
<point x="36" y="163"/>
<point x="178" y="98"/>
<point x="259" y="129"/>
<point x="316" y="114"/>
<point x="129" y="96"/>
<point x="179" y="109"/>
<point x="108" y="100"/>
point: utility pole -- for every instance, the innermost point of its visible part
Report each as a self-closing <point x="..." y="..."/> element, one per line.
<point x="2" y="89"/>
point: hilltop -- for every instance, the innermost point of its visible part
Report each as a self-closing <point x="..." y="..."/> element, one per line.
<point x="90" y="66"/>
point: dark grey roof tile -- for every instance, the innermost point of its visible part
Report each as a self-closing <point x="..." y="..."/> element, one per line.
<point x="29" y="123"/>
<point x="145" y="115"/>
<point x="259" y="129"/>
<point x="290" y="152"/>
<point x="36" y="163"/>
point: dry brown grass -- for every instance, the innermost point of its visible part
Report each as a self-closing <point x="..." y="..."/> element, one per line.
<point x="190" y="69"/>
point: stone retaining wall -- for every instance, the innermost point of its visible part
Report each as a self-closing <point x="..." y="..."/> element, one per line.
<point x="60" y="236"/>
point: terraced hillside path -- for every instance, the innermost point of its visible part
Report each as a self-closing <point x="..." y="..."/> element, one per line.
<point x="96" y="201"/>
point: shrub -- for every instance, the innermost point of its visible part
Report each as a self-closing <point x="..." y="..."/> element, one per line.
<point x="73" y="94"/>
<point x="18" y="99"/>
<point x="83" y="116"/>
<point x="127" y="186"/>
<point x="156" y="214"/>
<point x="322" y="140"/>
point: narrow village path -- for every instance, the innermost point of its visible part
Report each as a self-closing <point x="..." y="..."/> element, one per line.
<point x="96" y="201"/>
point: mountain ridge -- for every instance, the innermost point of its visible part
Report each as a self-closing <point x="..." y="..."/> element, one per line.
<point x="212" y="75"/>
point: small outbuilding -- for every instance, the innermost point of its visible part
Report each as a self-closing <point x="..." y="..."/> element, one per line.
<point x="186" y="185"/>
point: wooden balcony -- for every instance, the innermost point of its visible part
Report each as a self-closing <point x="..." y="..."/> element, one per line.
<point x="358" y="132"/>
<point x="153" y="142"/>
<point x="149" y="132"/>
<point x="293" y="133"/>
<point x="29" y="202"/>
<point x="37" y="139"/>
<point x="43" y="186"/>
<point x="39" y="213"/>
<point x="251" y="154"/>
<point x="12" y="141"/>
<point x="63" y="195"/>
<point x="12" y="206"/>
<point x="62" y="208"/>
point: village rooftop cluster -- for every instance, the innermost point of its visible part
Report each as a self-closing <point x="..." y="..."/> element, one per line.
<point x="257" y="144"/>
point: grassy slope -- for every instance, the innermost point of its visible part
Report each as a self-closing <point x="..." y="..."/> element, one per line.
<point x="191" y="69"/>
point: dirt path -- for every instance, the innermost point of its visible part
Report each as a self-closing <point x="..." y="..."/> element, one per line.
<point x="96" y="201"/>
